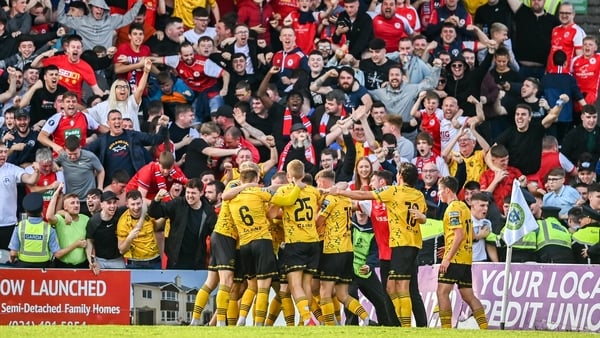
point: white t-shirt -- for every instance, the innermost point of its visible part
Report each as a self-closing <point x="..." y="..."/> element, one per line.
<point x="479" y="253"/>
<point x="246" y="51"/>
<point x="10" y="175"/>
<point x="129" y="109"/>
<point x="193" y="37"/>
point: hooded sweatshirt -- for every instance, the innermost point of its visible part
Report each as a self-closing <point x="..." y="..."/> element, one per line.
<point x="97" y="32"/>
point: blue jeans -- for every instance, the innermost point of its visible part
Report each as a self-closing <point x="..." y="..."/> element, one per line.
<point x="151" y="264"/>
<point x="204" y="106"/>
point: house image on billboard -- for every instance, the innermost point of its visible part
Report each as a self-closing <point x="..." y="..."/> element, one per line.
<point x="165" y="303"/>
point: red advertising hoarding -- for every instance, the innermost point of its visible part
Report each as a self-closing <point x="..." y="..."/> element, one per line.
<point x="63" y="297"/>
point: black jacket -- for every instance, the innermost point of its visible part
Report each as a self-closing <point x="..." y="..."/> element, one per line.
<point x="359" y="35"/>
<point x="180" y="214"/>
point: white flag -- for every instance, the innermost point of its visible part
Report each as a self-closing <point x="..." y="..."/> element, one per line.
<point x="520" y="220"/>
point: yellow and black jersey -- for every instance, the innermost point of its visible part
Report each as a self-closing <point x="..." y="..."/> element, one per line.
<point x="299" y="218"/>
<point x="249" y="212"/>
<point x="404" y="229"/>
<point x="337" y="211"/>
<point x="276" y="229"/>
<point x="458" y="216"/>
<point x="224" y="225"/>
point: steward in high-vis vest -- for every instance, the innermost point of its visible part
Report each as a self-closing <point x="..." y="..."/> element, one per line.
<point x="432" y="232"/>
<point x="587" y="238"/>
<point x="33" y="243"/>
<point x="553" y="239"/>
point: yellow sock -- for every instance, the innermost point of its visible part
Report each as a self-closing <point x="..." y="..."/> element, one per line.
<point x="303" y="309"/>
<point x="355" y="307"/>
<point x="233" y="311"/>
<point x="274" y="310"/>
<point x="479" y="315"/>
<point x="405" y="309"/>
<point x="287" y="306"/>
<point x="328" y="311"/>
<point x="262" y="302"/>
<point x="337" y="309"/>
<point x="201" y="299"/>
<point x="222" y="303"/>
<point x="396" y="302"/>
<point x="316" y="309"/>
<point x="446" y="319"/>
<point x="247" y="300"/>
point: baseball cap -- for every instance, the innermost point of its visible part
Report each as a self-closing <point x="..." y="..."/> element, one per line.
<point x="583" y="166"/>
<point x="20" y="112"/>
<point x="108" y="195"/>
<point x="298" y="126"/>
<point x="225" y="111"/>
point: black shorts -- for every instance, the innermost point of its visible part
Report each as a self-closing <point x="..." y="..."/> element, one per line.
<point x="337" y="267"/>
<point x="301" y="256"/>
<point x="280" y="259"/>
<point x="258" y="259"/>
<point x="402" y="263"/>
<point x="222" y="252"/>
<point x="457" y="274"/>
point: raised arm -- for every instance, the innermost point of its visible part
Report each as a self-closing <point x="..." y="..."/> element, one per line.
<point x="552" y="115"/>
<point x="125" y="245"/>
<point x="274" y="156"/>
<point x="139" y="90"/>
<point x="264" y="85"/>
<point x="317" y="85"/>
<point x="26" y="98"/>
<point x="51" y="211"/>
<point x="12" y="86"/>
<point x="414" y="111"/>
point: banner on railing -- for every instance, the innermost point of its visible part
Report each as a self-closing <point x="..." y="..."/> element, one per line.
<point x="541" y="297"/>
<point x="63" y="297"/>
<point x="555" y="297"/>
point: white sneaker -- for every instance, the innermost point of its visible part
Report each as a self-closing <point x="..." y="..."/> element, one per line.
<point x="195" y="322"/>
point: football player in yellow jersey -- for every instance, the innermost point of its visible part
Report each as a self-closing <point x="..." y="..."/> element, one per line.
<point x="458" y="255"/>
<point x="335" y="267"/>
<point x="224" y="268"/>
<point x="283" y="299"/>
<point x="406" y="211"/>
<point x="301" y="259"/>
<point x="249" y="215"/>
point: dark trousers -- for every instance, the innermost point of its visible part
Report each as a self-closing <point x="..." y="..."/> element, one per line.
<point x="5" y="235"/>
<point x="418" y="307"/>
<point x="372" y="289"/>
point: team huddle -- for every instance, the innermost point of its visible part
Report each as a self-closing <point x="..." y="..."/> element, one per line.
<point x="298" y="239"/>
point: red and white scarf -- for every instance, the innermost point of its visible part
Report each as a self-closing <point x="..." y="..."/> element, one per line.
<point x="287" y="122"/>
<point x="325" y="121"/>
<point x="309" y="154"/>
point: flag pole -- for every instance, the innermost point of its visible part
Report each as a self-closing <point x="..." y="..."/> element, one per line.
<point x="506" y="287"/>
